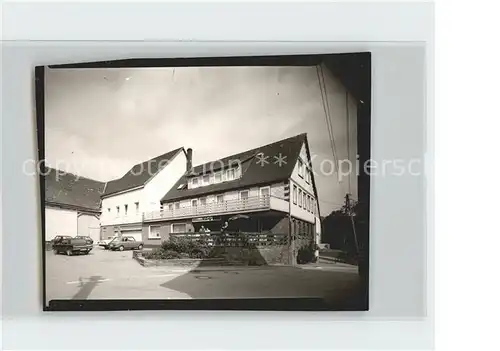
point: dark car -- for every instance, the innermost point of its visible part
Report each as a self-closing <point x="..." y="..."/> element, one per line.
<point x="87" y="238"/>
<point x="59" y="238"/>
<point x="71" y="246"/>
<point x="124" y="243"/>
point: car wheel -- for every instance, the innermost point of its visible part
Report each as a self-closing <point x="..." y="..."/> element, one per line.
<point x="140" y="247"/>
<point x="69" y="252"/>
<point x="55" y="251"/>
<point x="122" y="248"/>
<point x="87" y="252"/>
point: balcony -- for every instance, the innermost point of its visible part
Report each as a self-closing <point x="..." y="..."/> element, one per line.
<point x="251" y="204"/>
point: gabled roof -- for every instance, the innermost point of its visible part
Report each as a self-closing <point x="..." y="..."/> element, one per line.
<point x="69" y="190"/>
<point x="254" y="172"/>
<point x="141" y="173"/>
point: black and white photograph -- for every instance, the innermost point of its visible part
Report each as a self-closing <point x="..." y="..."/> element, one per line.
<point x="205" y="183"/>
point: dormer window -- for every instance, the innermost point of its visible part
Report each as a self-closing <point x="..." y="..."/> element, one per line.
<point x="230" y="174"/>
<point x="206" y="179"/>
<point x="218" y="177"/>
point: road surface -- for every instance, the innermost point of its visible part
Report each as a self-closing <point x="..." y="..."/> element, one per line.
<point x="115" y="275"/>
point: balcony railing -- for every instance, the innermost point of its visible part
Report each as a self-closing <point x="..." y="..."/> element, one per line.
<point x="259" y="203"/>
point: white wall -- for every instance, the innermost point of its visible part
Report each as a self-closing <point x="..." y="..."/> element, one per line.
<point x="305" y="186"/>
<point x="148" y="197"/>
<point x="88" y="225"/>
<point x="160" y="184"/>
<point x="301" y="181"/>
<point x="129" y="198"/>
<point x="60" y="222"/>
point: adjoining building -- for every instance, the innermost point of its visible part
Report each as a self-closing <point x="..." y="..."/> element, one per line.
<point x="140" y="190"/>
<point x="272" y="186"/>
<point x="72" y="205"/>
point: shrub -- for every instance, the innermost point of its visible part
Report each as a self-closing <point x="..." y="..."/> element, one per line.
<point x="187" y="248"/>
<point x="160" y="254"/>
<point x="306" y="254"/>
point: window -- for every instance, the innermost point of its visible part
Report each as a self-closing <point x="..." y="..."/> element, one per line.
<point x="182" y="186"/>
<point x="126" y="209"/>
<point x="237" y="172"/>
<point x="154" y="232"/>
<point x="300" y="197"/>
<point x="109" y="210"/>
<point x="295" y="194"/>
<point x="195" y="181"/>
<point x="301" y="168"/>
<point x="194" y="202"/>
<point x="117" y="210"/>
<point x="177" y="205"/>
<point x="218" y="177"/>
<point x="308" y="207"/>
<point x="219" y="199"/>
<point x="265" y="191"/>
<point x="230" y="174"/>
<point x="244" y="195"/>
<point x="170" y="207"/>
<point x="308" y="176"/>
<point x="203" y="201"/>
<point x="136" y="207"/>
<point x="179" y="228"/>
<point x="304" y="200"/>
<point x="206" y="179"/>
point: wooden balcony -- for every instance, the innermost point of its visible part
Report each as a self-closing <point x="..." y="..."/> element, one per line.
<point x="251" y="204"/>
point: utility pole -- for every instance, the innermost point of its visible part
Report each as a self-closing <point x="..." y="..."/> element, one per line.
<point x="349" y="212"/>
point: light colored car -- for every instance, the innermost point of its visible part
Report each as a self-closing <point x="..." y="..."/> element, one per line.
<point x="105" y="243"/>
<point x="125" y="243"/>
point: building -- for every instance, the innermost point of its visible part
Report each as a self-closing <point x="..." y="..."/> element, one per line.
<point x="272" y="185"/>
<point x="72" y="205"/>
<point x="139" y="190"/>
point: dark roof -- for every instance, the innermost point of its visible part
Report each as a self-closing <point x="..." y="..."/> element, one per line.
<point x="69" y="190"/>
<point x="140" y="174"/>
<point x="253" y="173"/>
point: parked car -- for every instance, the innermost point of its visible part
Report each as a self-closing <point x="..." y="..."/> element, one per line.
<point x="124" y="243"/>
<point x="71" y="246"/>
<point x="87" y="238"/>
<point x="59" y="238"/>
<point x="105" y="243"/>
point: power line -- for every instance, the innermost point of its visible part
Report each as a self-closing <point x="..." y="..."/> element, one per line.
<point x="348" y="137"/>
<point x="326" y="109"/>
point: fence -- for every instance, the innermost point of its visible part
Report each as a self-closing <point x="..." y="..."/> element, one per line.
<point x="234" y="239"/>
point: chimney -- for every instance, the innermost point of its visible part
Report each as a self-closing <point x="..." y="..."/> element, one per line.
<point x="189" y="161"/>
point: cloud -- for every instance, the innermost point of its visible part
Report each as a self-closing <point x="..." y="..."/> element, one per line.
<point x="107" y="120"/>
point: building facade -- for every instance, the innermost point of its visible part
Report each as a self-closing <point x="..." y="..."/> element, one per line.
<point x="271" y="187"/>
<point x="72" y="205"/>
<point x="140" y="190"/>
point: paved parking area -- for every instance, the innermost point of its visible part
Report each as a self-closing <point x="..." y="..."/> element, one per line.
<point x="115" y="275"/>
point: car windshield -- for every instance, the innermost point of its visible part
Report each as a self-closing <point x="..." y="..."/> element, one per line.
<point x="114" y="240"/>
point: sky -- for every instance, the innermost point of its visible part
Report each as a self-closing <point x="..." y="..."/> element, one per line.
<point x="100" y="122"/>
